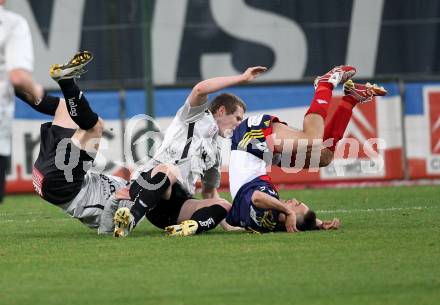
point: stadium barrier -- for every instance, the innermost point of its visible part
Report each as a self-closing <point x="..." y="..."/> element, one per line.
<point x="422" y="128"/>
<point x="397" y="137"/>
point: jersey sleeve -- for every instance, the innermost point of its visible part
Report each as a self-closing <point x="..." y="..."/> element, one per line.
<point x="189" y="114"/>
<point x="253" y="135"/>
<point x="211" y="177"/>
<point x="18" y="49"/>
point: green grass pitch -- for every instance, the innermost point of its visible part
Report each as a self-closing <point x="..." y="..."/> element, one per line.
<point x="388" y="252"/>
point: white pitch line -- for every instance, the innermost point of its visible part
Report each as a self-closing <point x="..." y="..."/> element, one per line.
<point x="36" y="220"/>
<point x="21" y="213"/>
<point x="392" y="209"/>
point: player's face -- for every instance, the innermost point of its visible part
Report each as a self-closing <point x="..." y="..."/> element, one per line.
<point x="298" y="207"/>
<point x="228" y="122"/>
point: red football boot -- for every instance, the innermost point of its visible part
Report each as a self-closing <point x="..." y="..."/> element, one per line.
<point x="363" y="93"/>
<point x="337" y="75"/>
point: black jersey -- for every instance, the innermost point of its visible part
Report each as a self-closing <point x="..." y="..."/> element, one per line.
<point x="59" y="170"/>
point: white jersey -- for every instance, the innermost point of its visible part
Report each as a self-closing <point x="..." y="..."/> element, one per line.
<point x="190" y="144"/>
<point x="15" y="53"/>
<point x="243" y="168"/>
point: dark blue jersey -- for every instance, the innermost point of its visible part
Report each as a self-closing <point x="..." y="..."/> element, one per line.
<point x="245" y="214"/>
<point x="253" y="136"/>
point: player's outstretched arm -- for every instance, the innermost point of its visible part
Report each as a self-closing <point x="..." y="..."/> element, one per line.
<point x="264" y="201"/>
<point x="25" y="85"/>
<point x="199" y="94"/>
<point x="228" y="227"/>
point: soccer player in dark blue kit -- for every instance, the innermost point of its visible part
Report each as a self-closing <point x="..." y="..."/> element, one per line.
<point x="260" y="141"/>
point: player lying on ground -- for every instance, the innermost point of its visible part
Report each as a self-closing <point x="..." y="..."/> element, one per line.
<point x="189" y="151"/>
<point x="260" y="140"/>
<point x="91" y="197"/>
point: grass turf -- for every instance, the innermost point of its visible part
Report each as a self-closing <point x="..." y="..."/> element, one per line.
<point x="388" y="252"/>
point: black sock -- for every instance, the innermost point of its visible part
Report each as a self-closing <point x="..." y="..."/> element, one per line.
<point x="146" y="192"/>
<point x="47" y="105"/>
<point x="4" y="166"/>
<point x="208" y="218"/>
<point x="77" y="104"/>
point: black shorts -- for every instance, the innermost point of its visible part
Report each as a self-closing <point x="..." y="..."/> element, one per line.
<point x="53" y="177"/>
<point x="167" y="211"/>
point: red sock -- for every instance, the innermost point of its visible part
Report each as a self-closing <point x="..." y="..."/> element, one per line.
<point x="321" y="100"/>
<point x="338" y="123"/>
<point x="350" y="100"/>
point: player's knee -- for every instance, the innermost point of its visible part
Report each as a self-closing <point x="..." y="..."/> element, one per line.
<point x="224" y="203"/>
<point x="164" y="168"/>
<point x="97" y="130"/>
<point x="99" y="127"/>
<point x="324" y="162"/>
<point x="169" y="170"/>
<point x="326" y="157"/>
<point x="17" y="77"/>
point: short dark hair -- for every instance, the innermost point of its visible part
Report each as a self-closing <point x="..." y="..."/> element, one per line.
<point x="229" y="101"/>
<point x="308" y="222"/>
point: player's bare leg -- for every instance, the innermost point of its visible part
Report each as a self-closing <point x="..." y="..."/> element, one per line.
<point x="197" y="216"/>
<point x="354" y="94"/>
<point x="62" y="117"/>
<point x="192" y="205"/>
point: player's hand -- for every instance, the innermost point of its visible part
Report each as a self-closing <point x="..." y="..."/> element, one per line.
<point x="293" y="202"/>
<point x="290" y="223"/>
<point x="253" y="72"/>
<point x="331" y="224"/>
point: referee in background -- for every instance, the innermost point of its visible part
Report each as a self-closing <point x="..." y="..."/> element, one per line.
<point x="16" y="65"/>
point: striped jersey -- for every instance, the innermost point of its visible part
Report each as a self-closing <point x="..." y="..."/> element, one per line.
<point x="190" y="144"/>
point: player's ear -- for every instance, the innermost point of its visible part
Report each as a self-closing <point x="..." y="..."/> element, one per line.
<point x="221" y="110"/>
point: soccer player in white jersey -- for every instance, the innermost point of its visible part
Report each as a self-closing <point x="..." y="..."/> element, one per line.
<point x="16" y="65"/>
<point x="73" y="136"/>
<point x="189" y="151"/>
<point x="259" y="141"/>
